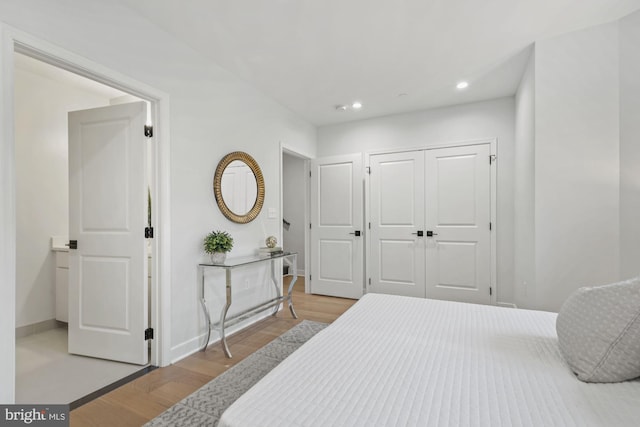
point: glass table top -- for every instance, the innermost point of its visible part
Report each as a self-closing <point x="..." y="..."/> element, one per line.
<point x="250" y="259"/>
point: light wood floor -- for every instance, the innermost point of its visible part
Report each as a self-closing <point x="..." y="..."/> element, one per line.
<point x="146" y="397"/>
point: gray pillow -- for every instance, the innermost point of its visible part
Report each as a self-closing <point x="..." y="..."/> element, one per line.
<point x="599" y="332"/>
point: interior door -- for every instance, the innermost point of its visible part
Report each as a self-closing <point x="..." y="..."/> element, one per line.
<point x="337" y="251"/>
<point x="458" y="215"/>
<point x="396" y="213"/>
<point x="107" y="213"/>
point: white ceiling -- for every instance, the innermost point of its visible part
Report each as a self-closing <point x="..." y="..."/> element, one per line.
<point x="311" y="55"/>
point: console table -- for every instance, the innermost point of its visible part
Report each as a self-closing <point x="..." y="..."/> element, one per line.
<point x="234" y="263"/>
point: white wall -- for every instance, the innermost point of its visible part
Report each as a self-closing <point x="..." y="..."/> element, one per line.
<point x="42" y="177"/>
<point x="576" y="163"/>
<point x="524" y="199"/>
<point x="489" y="119"/>
<point x="294" y="188"/>
<point x="212" y="113"/>
<point x="630" y="145"/>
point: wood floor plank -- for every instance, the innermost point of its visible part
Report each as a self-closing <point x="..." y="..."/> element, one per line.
<point x="171" y="374"/>
<point x="146" y="397"/>
<point x="100" y="413"/>
<point x="202" y="365"/>
<point x="145" y="405"/>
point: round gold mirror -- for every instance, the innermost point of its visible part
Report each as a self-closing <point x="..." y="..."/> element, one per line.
<point x="239" y="187"/>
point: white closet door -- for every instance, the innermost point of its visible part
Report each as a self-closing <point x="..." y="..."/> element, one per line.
<point x="337" y="251"/>
<point x="107" y="216"/>
<point x="458" y="213"/>
<point x="396" y="212"/>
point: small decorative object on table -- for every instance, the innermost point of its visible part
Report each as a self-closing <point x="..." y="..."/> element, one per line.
<point x="217" y="244"/>
<point x="271" y="248"/>
<point x="271" y="242"/>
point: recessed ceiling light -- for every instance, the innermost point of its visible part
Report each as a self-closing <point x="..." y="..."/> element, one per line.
<point x="356" y="105"/>
<point x="462" y="85"/>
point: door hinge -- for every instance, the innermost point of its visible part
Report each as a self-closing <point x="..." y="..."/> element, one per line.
<point x="309" y="277"/>
<point x="490" y="290"/>
<point x="148" y="131"/>
<point x="490" y="226"/>
<point x="369" y="226"/>
<point x="369" y="281"/>
<point x="492" y="158"/>
<point x="368" y="168"/>
<point x="148" y="334"/>
<point x="148" y="232"/>
<point x="309" y="226"/>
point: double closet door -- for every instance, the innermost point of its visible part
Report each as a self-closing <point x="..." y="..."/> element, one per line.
<point x="430" y="223"/>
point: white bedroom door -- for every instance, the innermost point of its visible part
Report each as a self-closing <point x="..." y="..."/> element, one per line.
<point x="107" y="213"/>
<point x="396" y="213"/>
<point x="337" y="250"/>
<point x="458" y="229"/>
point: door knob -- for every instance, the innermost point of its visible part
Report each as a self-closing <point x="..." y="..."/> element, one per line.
<point x="419" y="233"/>
<point x="356" y="233"/>
<point x="431" y="233"/>
<point x="73" y="244"/>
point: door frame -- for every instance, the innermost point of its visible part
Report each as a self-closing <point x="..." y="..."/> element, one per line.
<point x="493" y="144"/>
<point x="284" y="148"/>
<point x="13" y="40"/>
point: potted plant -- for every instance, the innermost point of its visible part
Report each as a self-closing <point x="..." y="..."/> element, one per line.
<point x="217" y="244"/>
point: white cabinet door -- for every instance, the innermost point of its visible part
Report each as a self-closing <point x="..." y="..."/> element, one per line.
<point x="458" y="213"/>
<point x="336" y="231"/>
<point x="107" y="210"/>
<point x="396" y="212"/>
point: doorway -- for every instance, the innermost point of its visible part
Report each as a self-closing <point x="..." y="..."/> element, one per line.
<point x="43" y="96"/>
<point x="295" y="187"/>
<point x="12" y="41"/>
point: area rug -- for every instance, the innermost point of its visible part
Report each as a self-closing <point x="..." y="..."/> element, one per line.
<point x="205" y="406"/>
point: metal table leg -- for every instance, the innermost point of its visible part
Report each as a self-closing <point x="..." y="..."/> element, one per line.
<point x="294" y="266"/>
<point x="223" y="317"/>
<point x="203" y="302"/>
<point x="275" y="283"/>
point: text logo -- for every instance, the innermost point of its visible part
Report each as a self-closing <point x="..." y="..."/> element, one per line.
<point x="34" y="415"/>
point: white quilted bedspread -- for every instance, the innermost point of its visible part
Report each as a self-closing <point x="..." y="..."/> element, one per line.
<point x="399" y="361"/>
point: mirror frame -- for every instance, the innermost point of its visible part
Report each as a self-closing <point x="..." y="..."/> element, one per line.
<point x="217" y="187"/>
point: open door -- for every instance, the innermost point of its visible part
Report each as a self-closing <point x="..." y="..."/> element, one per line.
<point x="337" y="248"/>
<point x="107" y="214"/>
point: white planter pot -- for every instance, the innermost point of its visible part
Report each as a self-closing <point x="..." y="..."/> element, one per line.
<point x="218" y="257"/>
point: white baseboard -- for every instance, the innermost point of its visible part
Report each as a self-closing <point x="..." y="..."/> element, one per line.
<point x="506" y="304"/>
<point x="36" y="328"/>
<point x="193" y="345"/>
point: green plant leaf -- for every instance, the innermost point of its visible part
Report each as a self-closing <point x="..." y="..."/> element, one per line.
<point x="218" y="241"/>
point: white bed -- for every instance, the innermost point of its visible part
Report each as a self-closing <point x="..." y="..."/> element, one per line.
<point x="399" y="361"/>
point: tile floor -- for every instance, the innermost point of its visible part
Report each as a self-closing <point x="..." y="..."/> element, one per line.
<point x="47" y="374"/>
